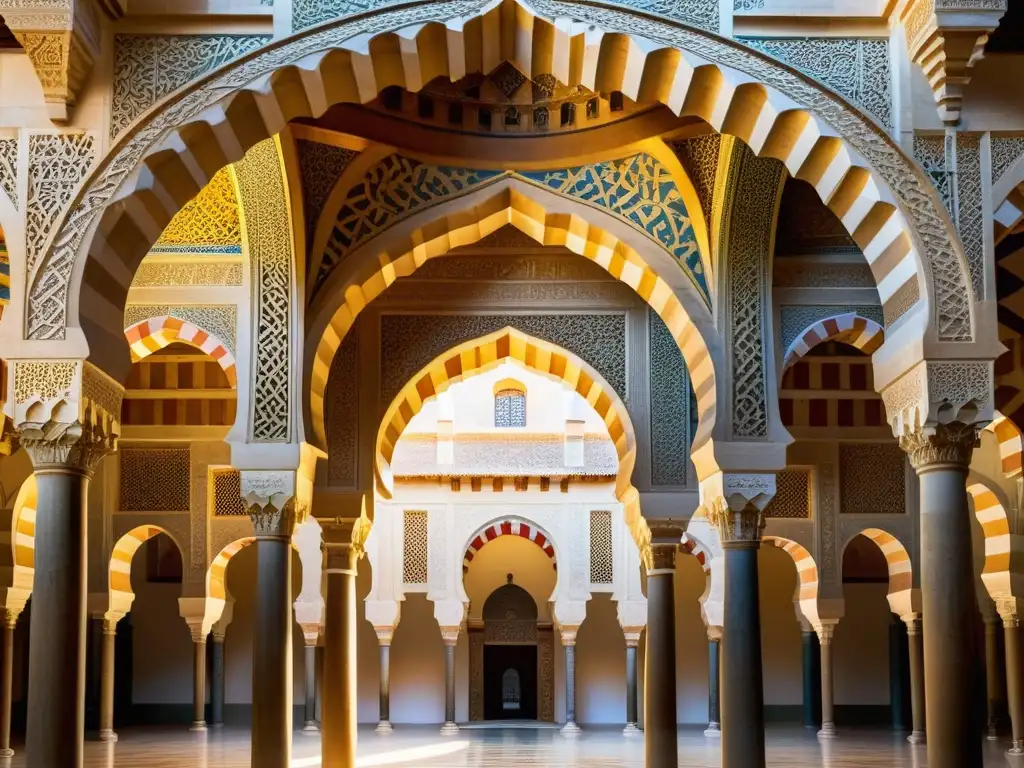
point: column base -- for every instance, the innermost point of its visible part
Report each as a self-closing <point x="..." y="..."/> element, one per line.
<point x="828" y="731"/>
<point x="7" y="752"/>
<point x="216" y="725"/>
<point x="570" y="729"/>
<point x="713" y="731"/>
<point x="917" y="737"/>
<point x="1015" y="756"/>
<point x="105" y="735"/>
<point x="311" y="728"/>
<point x="449" y="729"/>
<point x="384" y="726"/>
<point x="631" y="729"/>
<point x="198" y="725"/>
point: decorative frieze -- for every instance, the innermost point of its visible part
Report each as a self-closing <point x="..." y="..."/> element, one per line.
<point x="57" y="163"/>
<point x="969" y="217"/>
<point x="931" y="150"/>
<point x="152" y="274"/>
<point x="856" y="68"/>
<point x="309" y="13"/>
<point x="698" y="13"/>
<point x="148" y="67"/>
<point x="821" y="275"/>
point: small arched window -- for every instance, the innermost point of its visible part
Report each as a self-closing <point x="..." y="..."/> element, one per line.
<point x="511" y="692"/>
<point x="510" y="408"/>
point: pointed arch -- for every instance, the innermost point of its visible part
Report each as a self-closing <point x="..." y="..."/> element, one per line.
<point x="807" y="576"/>
<point x="550" y="220"/>
<point x="859" y="332"/>
<point x="120" y="564"/>
<point x="148" y="336"/>
<point x="176" y="148"/>
<point x="902" y="600"/>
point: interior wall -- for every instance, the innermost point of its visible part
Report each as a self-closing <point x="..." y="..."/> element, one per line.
<point x="601" y="665"/>
<point x="860" y="652"/>
<point x="691" y="642"/>
<point x="781" y="639"/>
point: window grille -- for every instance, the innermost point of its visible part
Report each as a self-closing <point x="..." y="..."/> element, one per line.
<point x="414" y="542"/>
<point x="510" y="408"/>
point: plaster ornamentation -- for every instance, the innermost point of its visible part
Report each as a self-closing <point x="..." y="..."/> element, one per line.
<point x="410" y="342"/>
<point x="208" y="219"/>
<point x="219" y="320"/>
<point x="699" y="156"/>
<point x="546" y="672"/>
<point x="930" y="152"/>
<point x="57" y="163"/>
<point x="309" y="13"/>
<point x="476" y="673"/>
<point x="951" y="444"/>
<point x="148" y="67"/>
<point x="857" y="68"/>
<point x="792" y="495"/>
<point x="437" y="578"/>
<point x="673" y="414"/>
<point x="9" y="169"/>
<point x="415" y="535"/>
<point x="47" y="303"/>
<point x="872" y="479"/>
<point x="939" y="391"/>
<point x="747" y="5"/>
<point x="157" y="273"/>
<point x="1006" y="151"/>
<point x="45" y="379"/>
<point x="270" y="522"/>
<point x="601" y="556"/>
<point x="199" y="517"/>
<point x="660" y="554"/>
<point x="751" y="196"/>
<point x="804" y="275"/>
<point x="745" y="525"/>
<point x="702" y="14"/>
<point x="827" y="515"/>
<point x="578" y="586"/>
<point x="969" y="217"/>
<point x="343" y="414"/>
<point x="268" y="235"/>
<point x="794" y="320"/>
<point x="320" y="166"/>
<point x="495" y="294"/>
<point x="510" y="632"/>
<point x="227" y="494"/>
<point x="66" y="444"/>
<point x="154" y="480"/>
<point x="266" y="487"/>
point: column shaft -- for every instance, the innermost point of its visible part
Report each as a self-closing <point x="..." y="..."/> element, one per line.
<point x="217" y="683"/>
<point x="570" y="726"/>
<point x="714" y="728"/>
<point x="995" y="678"/>
<point x="6" y="685"/>
<point x="1014" y="683"/>
<point x="811" y="680"/>
<point x="449" y="726"/>
<point x="198" y="685"/>
<point x="56" y="659"/>
<point x="272" y="654"/>
<point x="107" y="661"/>
<point x="631" y="687"/>
<point x="384" y="725"/>
<point x="338" y="719"/>
<point x="949" y="602"/>
<point x="742" y="676"/>
<point x="917" y="700"/>
<point x="828" y="724"/>
<point x="309" y="673"/>
<point x="660" y="729"/>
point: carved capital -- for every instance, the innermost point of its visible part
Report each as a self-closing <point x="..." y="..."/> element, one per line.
<point x="450" y="635"/>
<point x="632" y="635"/>
<point x="271" y="522"/>
<point x="714" y="634"/>
<point x="913" y="622"/>
<point x="945" y="445"/>
<point x="384" y="635"/>
<point x="735" y="526"/>
<point x="568" y="635"/>
<point x="825" y="633"/>
<point x="344" y="541"/>
<point x="660" y="553"/>
<point x="1008" y="609"/>
<point x="74" y="446"/>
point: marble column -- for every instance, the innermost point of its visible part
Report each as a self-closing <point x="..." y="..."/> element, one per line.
<point x="450" y="636"/>
<point x="569" y="646"/>
<point x="310" y="726"/>
<point x="828" y="724"/>
<point x="916" y="656"/>
<point x="64" y="457"/>
<point x="739" y="524"/>
<point x="7" y="682"/>
<point x="632" y="643"/>
<point x="995" y="677"/>
<point x="272" y="633"/>
<point x="941" y="457"/>
<point x="384" y="637"/>
<point x="107" y="662"/>
<point x="714" y="729"/>
<point x="811" y="679"/>
<point x="1014" y="670"/>
<point x="338" y="718"/>
<point x="217" y="680"/>
<point x="198" y="680"/>
<point x="661" y="748"/>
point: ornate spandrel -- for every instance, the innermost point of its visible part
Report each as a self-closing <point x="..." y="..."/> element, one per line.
<point x="67" y="412"/>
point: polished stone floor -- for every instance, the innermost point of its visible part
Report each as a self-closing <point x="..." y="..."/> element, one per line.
<point x="414" y="746"/>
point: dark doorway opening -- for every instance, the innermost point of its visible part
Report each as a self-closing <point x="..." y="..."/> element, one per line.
<point x="510" y="682"/>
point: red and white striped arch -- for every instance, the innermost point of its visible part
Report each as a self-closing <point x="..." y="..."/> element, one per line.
<point x="860" y="332"/>
<point x="148" y="336"/>
<point x="693" y="547"/>
<point x="509" y="527"/>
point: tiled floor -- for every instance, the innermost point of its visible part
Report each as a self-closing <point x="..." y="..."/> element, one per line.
<point x="511" y="748"/>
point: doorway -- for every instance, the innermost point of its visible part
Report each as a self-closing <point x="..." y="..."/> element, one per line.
<point x="510" y="682"/>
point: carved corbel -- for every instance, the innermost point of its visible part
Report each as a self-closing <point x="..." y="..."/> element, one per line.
<point x="946" y="38"/>
<point x="62" y="43"/>
<point x="67" y="412"/>
<point x="269" y="495"/>
<point x="734" y="504"/>
<point x="660" y="553"/>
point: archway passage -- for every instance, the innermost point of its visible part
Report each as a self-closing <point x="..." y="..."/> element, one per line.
<point x="510" y="655"/>
<point x="898" y="567"/>
<point x="121" y="556"/>
<point x="806" y="595"/>
<point x="998" y="572"/>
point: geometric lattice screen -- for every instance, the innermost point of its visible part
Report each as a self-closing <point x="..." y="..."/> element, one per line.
<point x="601" y="547"/>
<point x="872" y="479"/>
<point x="414" y="547"/>
<point x="154" y="480"/>
<point x="227" y="493"/>
<point x="792" y="495"/>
